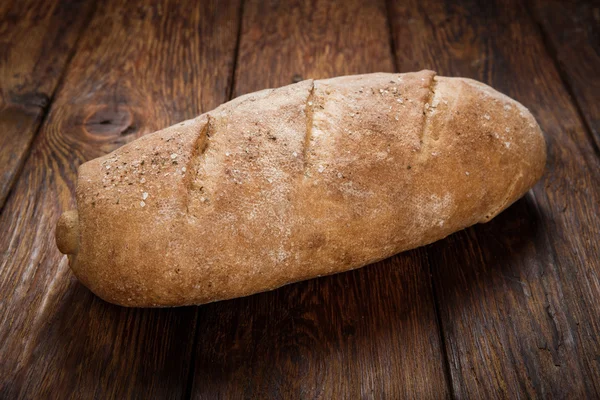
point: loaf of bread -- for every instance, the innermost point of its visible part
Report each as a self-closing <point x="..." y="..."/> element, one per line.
<point x="286" y="184"/>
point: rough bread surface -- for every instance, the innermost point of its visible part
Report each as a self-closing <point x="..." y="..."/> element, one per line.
<point x="297" y="182"/>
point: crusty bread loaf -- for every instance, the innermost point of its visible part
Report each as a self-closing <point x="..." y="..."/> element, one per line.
<point x="293" y="183"/>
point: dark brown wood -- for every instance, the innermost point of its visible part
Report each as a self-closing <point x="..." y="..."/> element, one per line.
<point x="370" y="333"/>
<point x="572" y="33"/>
<point x="35" y="44"/>
<point x="518" y="297"/>
<point x="138" y="68"/>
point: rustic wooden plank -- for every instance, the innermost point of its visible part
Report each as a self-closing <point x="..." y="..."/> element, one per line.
<point x="519" y="296"/>
<point x="572" y="32"/>
<point x="138" y="68"/>
<point x="36" y="41"/>
<point x="370" y="333"/>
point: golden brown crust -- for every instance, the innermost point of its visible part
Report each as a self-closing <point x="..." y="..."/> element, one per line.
<point x="288" y="184"/>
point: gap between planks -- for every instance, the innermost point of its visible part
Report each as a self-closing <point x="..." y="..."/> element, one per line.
<point x="553" y="55"/>
<point x="230" y="90"/>
<point x="46" y="108"/>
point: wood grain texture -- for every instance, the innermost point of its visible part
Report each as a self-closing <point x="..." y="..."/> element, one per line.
<point x="572" y="33"/>
<point x="519" y="296"/>
<point x="35" y="45"/>
<point x="138" y="68"/>
<point x="369" y="333"/>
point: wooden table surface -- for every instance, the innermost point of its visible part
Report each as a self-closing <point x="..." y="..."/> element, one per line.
<point x="508" y="309"/>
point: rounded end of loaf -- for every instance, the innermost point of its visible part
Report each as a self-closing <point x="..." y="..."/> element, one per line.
<point x="500" y="138"/>
<point x="67" y="232"/>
